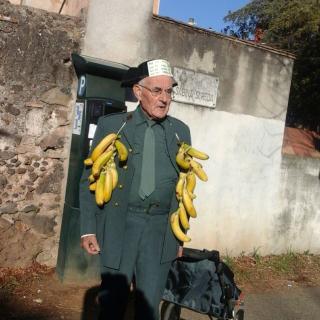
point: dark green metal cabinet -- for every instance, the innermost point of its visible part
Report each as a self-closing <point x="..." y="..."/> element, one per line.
<point x="99" y="93"/>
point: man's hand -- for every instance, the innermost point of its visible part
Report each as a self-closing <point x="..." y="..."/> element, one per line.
<point x="90" y="244"/>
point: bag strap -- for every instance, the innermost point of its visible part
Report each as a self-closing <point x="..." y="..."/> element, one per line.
<point x="190" y="254"/>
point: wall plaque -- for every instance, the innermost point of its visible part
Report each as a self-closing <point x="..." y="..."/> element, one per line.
<point x="195" y="88"/>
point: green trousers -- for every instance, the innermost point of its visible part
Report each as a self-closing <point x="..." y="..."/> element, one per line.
<point x="140" y="259"/>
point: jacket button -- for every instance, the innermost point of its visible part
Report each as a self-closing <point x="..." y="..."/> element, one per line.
<point x="120" y="186"/>
<point x="116" y="204"/>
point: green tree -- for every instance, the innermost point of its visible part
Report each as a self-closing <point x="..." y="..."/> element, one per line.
<point x="292" y="25"/>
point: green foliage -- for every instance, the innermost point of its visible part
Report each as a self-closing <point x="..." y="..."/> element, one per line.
<point x="286" y="23"/>
<point x="256" y="255"/>
<point x="229" y="260"/>
<point x="292" y="25"/>
<point x="284" y="263"/>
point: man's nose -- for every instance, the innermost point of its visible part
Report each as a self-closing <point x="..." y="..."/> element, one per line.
<point x="164" y="96"/>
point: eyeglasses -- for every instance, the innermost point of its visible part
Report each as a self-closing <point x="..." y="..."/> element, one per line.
<point x="157" y="92"/>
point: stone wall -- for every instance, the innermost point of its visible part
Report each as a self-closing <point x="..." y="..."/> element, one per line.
<point x="37" y="85"/>
<point x="70" y="7"/>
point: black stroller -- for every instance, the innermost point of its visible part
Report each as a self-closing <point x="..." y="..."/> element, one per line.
<point x="201" y="282"/>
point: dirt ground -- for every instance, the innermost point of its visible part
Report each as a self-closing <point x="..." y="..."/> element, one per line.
<point x="36" y="293"/>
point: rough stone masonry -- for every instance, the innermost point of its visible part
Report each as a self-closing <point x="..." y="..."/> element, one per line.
<point x="37" y="88"/>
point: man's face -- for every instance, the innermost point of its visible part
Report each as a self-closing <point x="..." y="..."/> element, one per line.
<point x="154" y="95"/>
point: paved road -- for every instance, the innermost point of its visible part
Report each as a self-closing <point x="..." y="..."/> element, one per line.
<point x="289" y="304"/>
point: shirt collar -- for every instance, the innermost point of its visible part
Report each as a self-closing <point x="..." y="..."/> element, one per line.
<point x="140" y="117"/>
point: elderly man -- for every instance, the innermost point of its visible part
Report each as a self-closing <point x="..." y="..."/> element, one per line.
<point x="132" y="232"/>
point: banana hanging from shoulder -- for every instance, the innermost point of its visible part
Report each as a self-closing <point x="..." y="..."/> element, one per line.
<point x="93" y="186"/>
<point x="187" y="202"/>
<point x="99" y="193"/>
<point x="107" y="192"/>
<point x="91" y="178"/>
<point x="101" y="161"/>
<point x="111" y="165"/>
<point x="192" y="195"/>
<point x="180" y="185"/>
<point x="175" y="226"/>
<point x="197" y="169"/>
<point x="88" y="162"/>
<point x="102" y="146"/>
<point x="185" y="187"/>
<point x="191" y="181"/>
<point x="115" y="177"/>
<point x="183" y="216"/>
<point x="181" y="159"/>
<point x="122" y="150"/>
<point x="195" y="153"/>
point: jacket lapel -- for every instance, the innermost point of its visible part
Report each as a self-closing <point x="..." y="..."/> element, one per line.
<point x="128" y="129"/>
<point x="172" y="142"/>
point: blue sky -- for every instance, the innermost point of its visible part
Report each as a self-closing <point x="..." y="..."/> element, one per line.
<point x="207" y="13"/>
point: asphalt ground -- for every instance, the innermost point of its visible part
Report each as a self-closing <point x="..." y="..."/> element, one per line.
<point x="288" y="304"/>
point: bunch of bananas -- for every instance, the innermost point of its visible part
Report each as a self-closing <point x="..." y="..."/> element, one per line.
<point x="190" y="169"/>
<point x="104" y="174"/>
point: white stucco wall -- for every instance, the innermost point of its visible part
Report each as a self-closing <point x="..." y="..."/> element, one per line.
<point x="270" y="93"/>
<point x="298" y="222"/>
<point x="242" y="206"/>
<point x="117" y="30"/>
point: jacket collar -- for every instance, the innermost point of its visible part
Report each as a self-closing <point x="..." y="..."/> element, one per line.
<point x="128" y="129"/>
<point x="134" y="118"/>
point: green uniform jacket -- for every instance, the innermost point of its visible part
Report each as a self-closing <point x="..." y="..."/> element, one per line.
<point x="108" y="223"/>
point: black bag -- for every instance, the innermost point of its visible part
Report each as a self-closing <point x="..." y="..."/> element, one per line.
<point x="201" y="282"/>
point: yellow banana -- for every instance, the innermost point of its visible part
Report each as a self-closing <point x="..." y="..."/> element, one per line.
<point x="122" y="150"/>
<point x="111" y="165"/>
<point x="191" y="181"/>
<point x="197" y="169"/>
<point x="180" y="184"/>
<point x="91" y="178"/>
<point x="183" y="216"/>
<point x="115" y="177"/>
<point x="111" y="162"/>
<point x="196" y="153"/>
<point x="101" y="161"/>
<point x="191" y="195"/>
<point x="187" y="202"/>
<point x="181" y="160"/>
<point x="92" y="186"/>
<point x="88" y="162"/>
<point x="107" y="191"/>
<point x="175" y="226"/>
<point x="99" y="194"/>
<point x="102" y="146"/>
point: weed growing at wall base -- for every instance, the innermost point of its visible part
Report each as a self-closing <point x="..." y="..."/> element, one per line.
<point x="274" y="271"/>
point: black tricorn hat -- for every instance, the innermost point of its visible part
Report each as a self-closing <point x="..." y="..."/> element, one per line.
<point x="148" y="68"/>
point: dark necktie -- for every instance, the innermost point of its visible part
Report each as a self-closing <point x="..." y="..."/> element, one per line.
<point x="147" y="181"/>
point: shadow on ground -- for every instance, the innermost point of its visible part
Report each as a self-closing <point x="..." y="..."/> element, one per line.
<point x="15" y="307"/>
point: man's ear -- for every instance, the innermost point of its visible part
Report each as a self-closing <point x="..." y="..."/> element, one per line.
<point x="137" y="92"/>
